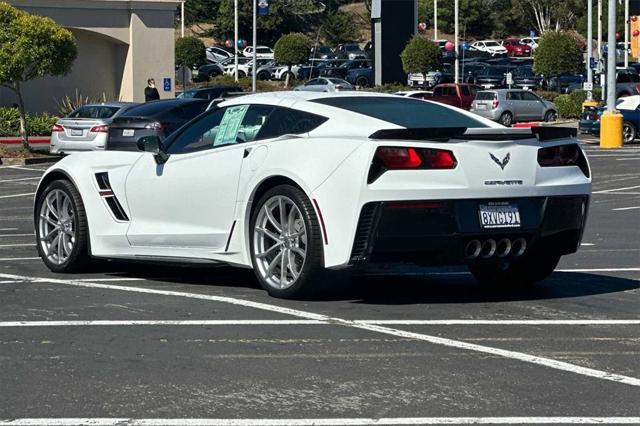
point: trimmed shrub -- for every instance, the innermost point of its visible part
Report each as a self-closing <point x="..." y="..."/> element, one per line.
<point x="420" y="56"/>
<point x="548" y="96"/>
<point x="38" y="125"/>
<point x="557" y="53"/>
<point x="568" y="106"/>
<point x="190" y="51"/>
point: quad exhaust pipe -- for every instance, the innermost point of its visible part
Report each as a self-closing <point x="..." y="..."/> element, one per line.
<point x="489" y="248"/>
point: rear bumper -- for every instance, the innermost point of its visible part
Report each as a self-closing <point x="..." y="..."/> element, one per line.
<point x="57" y="146"/>
<point x="437" y="233"/>
<point x="589" y="127"/>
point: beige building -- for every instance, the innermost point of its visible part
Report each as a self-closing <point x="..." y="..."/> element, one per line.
<point x="121" y="43"/>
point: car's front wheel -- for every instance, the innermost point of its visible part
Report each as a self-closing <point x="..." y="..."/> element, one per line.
<point x="362" y="82"/>
<point x="522" y="272"/>
<point x="61" y="227"/>
<point x="286" y="243"/>
<point x="550" y="116"/>
<point x="629" y="132"/>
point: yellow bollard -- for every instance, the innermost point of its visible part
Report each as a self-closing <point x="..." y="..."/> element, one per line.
<point x="611" y="130"/>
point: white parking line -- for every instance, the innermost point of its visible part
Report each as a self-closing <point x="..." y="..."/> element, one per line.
<point x="626" y="208"/>
<point x="17" y="245"/>
<point x="19" y="179"/>
<point x="109" y="279"/>
<point x="18" y="195"/>
<point x="121" y="323"/>
<point x="532" y="359"/>
<point x="8" y="229"/>
<point x="11" y="259"/>
<point x="26" y="168"/>
<point x="628" y="159"/>
<point x="17" y="235"/>
<point x="600" y="270"/>
<point x="318" y="422"/>
<point x="616" y="189"/>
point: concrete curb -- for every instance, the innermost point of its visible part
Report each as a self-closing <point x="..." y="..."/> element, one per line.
<point x="10" y="161"/>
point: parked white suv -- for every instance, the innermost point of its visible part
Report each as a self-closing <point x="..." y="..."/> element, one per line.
<point x="262" y="52"/>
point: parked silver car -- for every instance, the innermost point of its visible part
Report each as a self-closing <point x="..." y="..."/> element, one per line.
<point x="325" y="84"/>
<point x="507" y="106"/>
<point x="86" y="128"/>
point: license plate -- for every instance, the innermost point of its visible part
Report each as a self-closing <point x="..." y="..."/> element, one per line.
<point x="525" y="87"/>
<point x="487" y="86"/>
<point x="481" y="106"/>
<point x="76" y="132"/>
<point x="128" y="132"/>
<point x="499" y="215"/>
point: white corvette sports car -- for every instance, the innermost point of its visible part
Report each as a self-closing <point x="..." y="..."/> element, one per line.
<point x="292" y="183"/>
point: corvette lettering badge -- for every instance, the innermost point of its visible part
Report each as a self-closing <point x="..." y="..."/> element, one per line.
<point x="504" y="161"/>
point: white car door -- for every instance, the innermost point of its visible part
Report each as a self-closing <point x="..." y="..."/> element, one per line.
<point x="189" y="201"/>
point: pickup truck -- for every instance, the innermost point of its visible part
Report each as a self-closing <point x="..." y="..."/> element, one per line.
<point x="457" y="95"/>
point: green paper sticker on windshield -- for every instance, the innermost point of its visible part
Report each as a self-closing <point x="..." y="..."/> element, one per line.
<point x="228" y="130"/>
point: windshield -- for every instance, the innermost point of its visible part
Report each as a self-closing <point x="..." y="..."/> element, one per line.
<point x="495" y="71"/>
<point x="94" y="112"/>
<point x="402" y="111"/>
<point x="491" y="43"/>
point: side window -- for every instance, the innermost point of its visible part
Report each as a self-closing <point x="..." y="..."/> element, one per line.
<point x="514" y="96"/>
<point x="465" y="91"/>
<point x="527" y="96"/>
<point x="199" y="136"/>
<point x="285" y="121"/>
<point x="253" y="120"/>
<point x="437" y="91"/>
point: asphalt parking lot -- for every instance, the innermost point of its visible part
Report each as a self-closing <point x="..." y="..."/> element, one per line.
<point x="145" y="344"/>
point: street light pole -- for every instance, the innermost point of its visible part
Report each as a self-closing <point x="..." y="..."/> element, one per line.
<point x="589" y="47"/>
<point x="611" y="120"/>
<point x="626" y="33"/>
<point x="255" y="42"/>
<point x="455" y="40"/>
<point x="235" y="36"/>
<point x="435" y="19"/>
<point x="182" y="19"/>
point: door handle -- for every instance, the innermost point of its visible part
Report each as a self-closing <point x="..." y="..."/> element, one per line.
<point x="247" y="151"/>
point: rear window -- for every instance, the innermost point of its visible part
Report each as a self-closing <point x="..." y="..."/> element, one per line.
<point x="152" y="108"/>
<point x="94" y="112"/>
<point x="485" y="96"/>
<point x="405" y="112"/>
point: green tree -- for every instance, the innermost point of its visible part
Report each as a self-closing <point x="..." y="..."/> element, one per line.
<point x="557" y="53"/>
<point x="292" y="49"/>
<point x="190" y="51"/>
<point x="338" y="27"/>
<point x="31" y="47"/>
<point x="420" y="56"/>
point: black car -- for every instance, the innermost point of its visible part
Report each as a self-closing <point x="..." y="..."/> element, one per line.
<point x="314" y="69"/>
<point x="362" y="77"/>
<point x="322" y="52"/>
<point x="473" y="53"/>
<point x="155" y="118"/>
<point x="525" y="78"/>
<point x="567" y="83"/>
<point x="469" y="70"/>
<point x="208" y="71"/>
<point x="210" y="93"/>
<point x="492" y="77"/>
<point x="341" y="70"/>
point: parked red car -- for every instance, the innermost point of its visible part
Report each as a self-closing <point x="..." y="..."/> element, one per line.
<point x="516" y="48"/>
<point x="457" y="95"/>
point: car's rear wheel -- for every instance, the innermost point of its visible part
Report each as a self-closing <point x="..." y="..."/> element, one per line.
<point x="264" y="75"/>
<point x="62" y="232"/>
<point x="506" y="119"/>
<point x="551" y="116"/>
<point x="286" y="243"/>
<point x="283" y="77"/>
<point x="628" y="132"/>
<point x="521" y="272"/>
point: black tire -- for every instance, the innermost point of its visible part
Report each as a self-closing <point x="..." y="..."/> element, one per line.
<point x="629" y="132"/>
<point x="283" y="77"/>
<point x="312" y="271"/>
<point x="362" y="82"/>
<point x="550" y="116"/>
<point x="264" y="75"/>
<point x="79" y="257"/>
<point x="241" y="74"/>
<point x="506" y="119"/>
<point x="522" y="272"/>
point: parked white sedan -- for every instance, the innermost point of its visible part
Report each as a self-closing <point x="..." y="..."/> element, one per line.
<point x="293" y="183"/>
<point x="325" y="84"/>
<point x="490" y="46"/>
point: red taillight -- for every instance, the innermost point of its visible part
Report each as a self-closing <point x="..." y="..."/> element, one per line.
<point x="439" y="159"/>
<point x="99" y="129"/>
<point x="399" y="158"/>
<point x="638" y="89"/>
<point x="495" y="104"/>
<point x="563" y="155"/>
<point x="57" y="128"/>
<point x="403" y="158"/>
<point x="339" y="87"/>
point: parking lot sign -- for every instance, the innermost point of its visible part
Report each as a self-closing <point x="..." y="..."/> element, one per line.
<point x="592" y="63"/>
<point x="509" y="78"/>
<point x="167" y="84"/>
<point x="587" y="86"/>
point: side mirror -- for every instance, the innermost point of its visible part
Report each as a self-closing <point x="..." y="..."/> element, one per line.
<point x="153" y="144"/>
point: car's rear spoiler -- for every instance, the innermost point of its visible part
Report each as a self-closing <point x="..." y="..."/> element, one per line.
<point x="444" y="134"/>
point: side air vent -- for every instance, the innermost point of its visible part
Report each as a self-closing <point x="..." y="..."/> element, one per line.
<point x="105" y="191"/>
<point x="103" y="181"/>
<point x="365" y="227"/>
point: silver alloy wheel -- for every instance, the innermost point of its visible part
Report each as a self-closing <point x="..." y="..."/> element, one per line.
<point x="56" y="227"/>
<point x="279" y="242"/>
